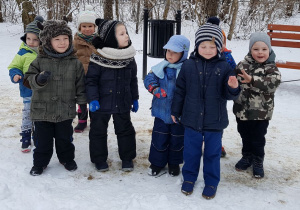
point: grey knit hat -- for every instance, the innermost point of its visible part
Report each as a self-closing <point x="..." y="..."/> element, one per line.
<point x="260" y="37"/>
<point x="51" y="29"/>
<point x="33" y="28"/>
<point x="209" y="32"/>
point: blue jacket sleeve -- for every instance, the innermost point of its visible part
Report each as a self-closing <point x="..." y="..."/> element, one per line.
<point x="13" y="72"/>
<point x="152" y="80"/>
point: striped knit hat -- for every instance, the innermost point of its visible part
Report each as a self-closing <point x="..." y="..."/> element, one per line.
<point x="32" y="27"/>
<point x="209" y="32"/>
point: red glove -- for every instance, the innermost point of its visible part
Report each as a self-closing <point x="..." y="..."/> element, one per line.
<point x="159" y="92"/>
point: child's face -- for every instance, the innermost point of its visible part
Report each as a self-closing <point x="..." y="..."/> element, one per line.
<point x="122" y="36"/>
<point x="207" y="49"/>
<point x="32" y="40"/>
<point x="260" y="52"/>
<point x="172" y="56"/>
<point x="60" y="43"/>
<point x="87" y="28"/>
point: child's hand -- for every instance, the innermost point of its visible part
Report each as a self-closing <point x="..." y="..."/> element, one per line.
<point x="233" y="82"/>
<point x="174" y="119"/>
<point x="94" y="106"/>
<point x="247" y="78"/>
<point x="43" y="77"/>
<point x="17" y="78"/>
<point x="159" y="92"/>
<point x="135" y="106"/>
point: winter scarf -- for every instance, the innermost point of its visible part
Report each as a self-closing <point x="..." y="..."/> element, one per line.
<point x="158" y="69"/>
<point x="86" y="38"/>
<point x="113" y="58"/>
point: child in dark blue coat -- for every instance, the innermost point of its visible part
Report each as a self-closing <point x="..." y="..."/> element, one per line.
<point x="112" y="91"/>
<point x="205" y="83"/>
<point x="167" y="136"/>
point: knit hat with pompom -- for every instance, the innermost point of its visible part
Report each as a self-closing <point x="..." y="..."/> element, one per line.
<point x="87" y="16"/>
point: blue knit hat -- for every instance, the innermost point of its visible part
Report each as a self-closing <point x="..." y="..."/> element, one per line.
<point x="179" y="43"/>
<point x="209" y="32"/>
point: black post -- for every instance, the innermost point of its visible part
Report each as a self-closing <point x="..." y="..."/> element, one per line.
<point x="178" y="22"/>
<point x="145" y="42"/>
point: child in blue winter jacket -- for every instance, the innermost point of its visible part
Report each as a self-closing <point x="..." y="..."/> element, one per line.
<point x="205" y="83"/>
<point x="167" y="136"/>
<point x="17" y="68"/>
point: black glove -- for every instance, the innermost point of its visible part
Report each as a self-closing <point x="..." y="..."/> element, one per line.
<point x="43" y="77"/>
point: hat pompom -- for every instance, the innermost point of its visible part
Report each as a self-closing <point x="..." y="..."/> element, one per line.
<point x="98" y="43"/>
<point x="213" y="20"/>
<point x="39" y="18"/>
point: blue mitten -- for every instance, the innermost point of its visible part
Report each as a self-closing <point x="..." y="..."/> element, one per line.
<point x="159" y="92"/>
<point x="94" y="106"/>
<point x="135" y="106"/>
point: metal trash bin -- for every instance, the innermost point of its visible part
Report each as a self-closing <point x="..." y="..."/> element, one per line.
<point x="160" y="32"/>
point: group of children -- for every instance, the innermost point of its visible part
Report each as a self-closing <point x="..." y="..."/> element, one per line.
<point x="98" y="68"/>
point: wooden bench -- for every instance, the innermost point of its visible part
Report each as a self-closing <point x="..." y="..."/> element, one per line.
<point x="285" y="36"/>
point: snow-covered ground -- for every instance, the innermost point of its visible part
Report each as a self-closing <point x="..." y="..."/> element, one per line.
<point x="86" y="188"/>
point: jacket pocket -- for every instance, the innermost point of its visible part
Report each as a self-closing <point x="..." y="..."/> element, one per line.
<point x="106" y="98"/>
<point x="38" y="110"/>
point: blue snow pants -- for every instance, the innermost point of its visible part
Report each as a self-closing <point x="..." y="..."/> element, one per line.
<point x="193" y="141"/>
<point x="167" y="144"/>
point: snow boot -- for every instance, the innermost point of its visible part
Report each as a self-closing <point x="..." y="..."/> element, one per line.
<point x="70" y="166"/>
<point x="36" y="171"/>
<point x="127" y="165"/>
<point x="174" y="170"/>
<point x="187" y="187"/>
<point x="209" y="192"/>
<point x="26" y="141"/>
<point x="154" y="170"/>
<point x="244" y="163"/>
<point x="101" y="166"/>
<point x="258" y="168"/>
<point x="80" y="126"/>
<point x="223" y="152"/>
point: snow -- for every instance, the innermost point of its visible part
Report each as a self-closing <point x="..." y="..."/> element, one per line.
<point x="86" y="188"/>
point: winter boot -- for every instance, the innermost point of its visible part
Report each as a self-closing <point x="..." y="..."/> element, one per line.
<point x="154" y="170"/>
<point x="223" y="152"/>
<point x="70" y="166"/>
<point x="209" y="192"/>
<point x="26" y="141"/>
<point x="187" y="187"/>
<point x="36" y="171"/>
<point x="127" y="165"/>
<point x="101" y="166"/>
<point x="258" y="168"/>
<point x="82" y="118"/>
<point x="174" y="170"/>
<point x="80" y="126"/>
<point x="244" y="163"/>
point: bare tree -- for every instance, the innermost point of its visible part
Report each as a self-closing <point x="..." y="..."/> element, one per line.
<point x="1" y="16"/>
<point x="108" y="9"/>
<point x="49" y="9"/>
<point x="166" y="11"/>
<point x="224" y="14"/>
<point x="28" y="11"/>
<point x="235" y="8"/>
<point x="117" y="9"/>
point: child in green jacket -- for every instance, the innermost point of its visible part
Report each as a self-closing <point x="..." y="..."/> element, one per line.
<point x="17" y="68"/>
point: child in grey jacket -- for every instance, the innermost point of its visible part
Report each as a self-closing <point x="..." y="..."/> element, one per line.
<point x="56" y="78"/>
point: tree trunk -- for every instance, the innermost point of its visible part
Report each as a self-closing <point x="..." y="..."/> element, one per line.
<point x="235" y="5"/>
<point x="167" y="7"/>
<point x="212" y="7"/>
<point x="117" y="9"/>
<point x="225" y="10"/>
<point x="65" y="8"/>
<point x="253" y="7"/>
<point x="108" y="9"/>
<point x="49" y="9"/>
<point x="148" y="5"/>
<point x="28" y="12"/>
<point x="138" y="10"/>
<point x="1" y="16"/>
<point x="289" y="9"/>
